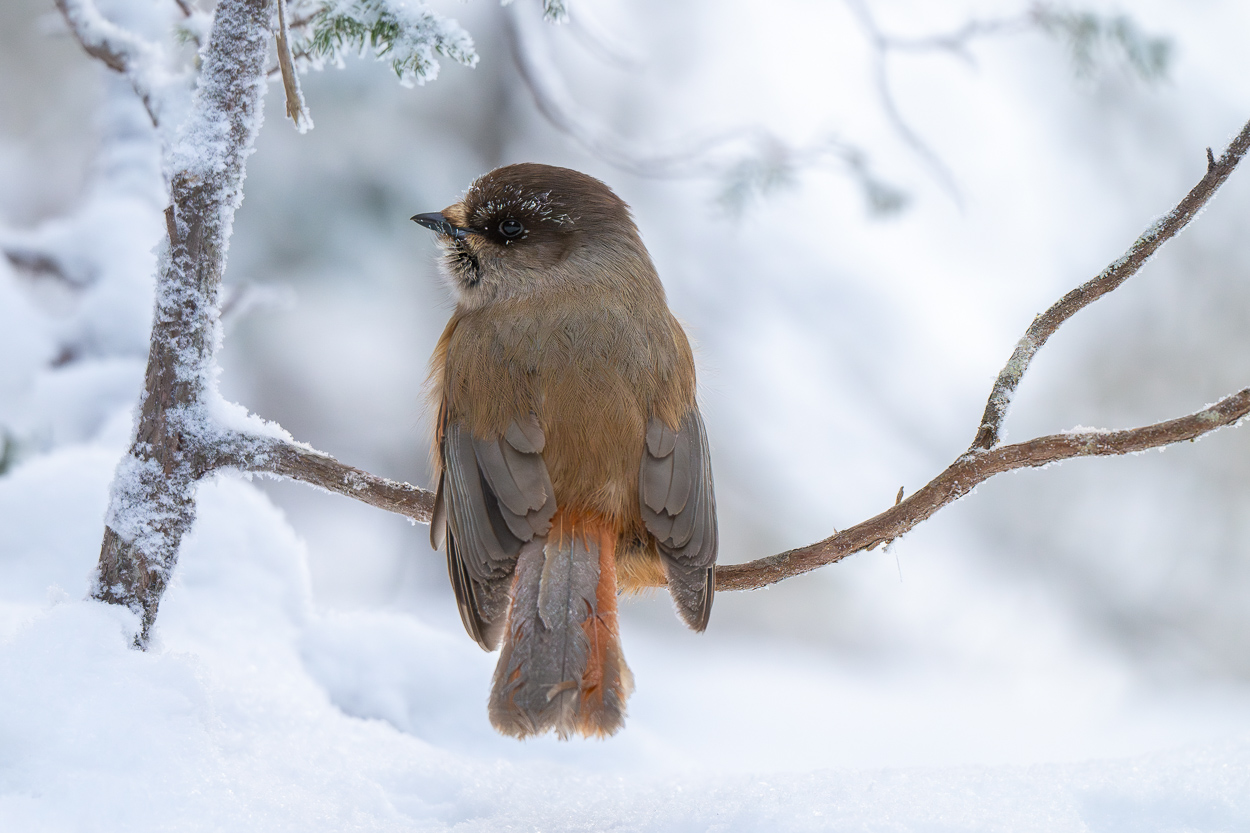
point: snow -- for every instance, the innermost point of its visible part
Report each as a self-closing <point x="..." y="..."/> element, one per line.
<point x="252" y="711"/>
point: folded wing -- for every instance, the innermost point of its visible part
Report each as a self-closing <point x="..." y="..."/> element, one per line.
<point x="494" y="496"/>
<point x="679" y="509"/>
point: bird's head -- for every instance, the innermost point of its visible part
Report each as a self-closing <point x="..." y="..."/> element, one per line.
<point x="528" y="228"/>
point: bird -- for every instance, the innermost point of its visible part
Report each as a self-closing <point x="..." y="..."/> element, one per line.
<point x="571" y="460"/>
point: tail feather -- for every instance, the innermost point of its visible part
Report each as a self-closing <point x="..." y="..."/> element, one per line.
<point x="561" y="666"/>
<point x="607" y="682"/>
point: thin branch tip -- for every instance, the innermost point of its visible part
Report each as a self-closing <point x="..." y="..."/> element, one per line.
<point x="986" y="458"/>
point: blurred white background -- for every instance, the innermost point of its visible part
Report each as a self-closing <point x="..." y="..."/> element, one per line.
<point x="1093" y="609"/>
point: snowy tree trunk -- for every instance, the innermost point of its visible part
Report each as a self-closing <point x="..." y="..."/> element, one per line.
<point x="153" y="496"/>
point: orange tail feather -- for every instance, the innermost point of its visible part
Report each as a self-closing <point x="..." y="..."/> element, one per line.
<point x="561" y="666"/>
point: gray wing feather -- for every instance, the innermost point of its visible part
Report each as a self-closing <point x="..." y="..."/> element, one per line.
<point x="656" y="479"/>
<point x="529" y="475"/>
<point x="660" y="439"/>
<point x="685" y="457"/>
<point x="495" y="469"/>
<point x="679" y="508"/>
<point x="497" y="498"/>
<point x="438" y="518"/>
<point x="469" y="519"/>
<point x="526" y="435"/>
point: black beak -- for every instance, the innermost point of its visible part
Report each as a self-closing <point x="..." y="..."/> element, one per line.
<point x="437" y="222"/>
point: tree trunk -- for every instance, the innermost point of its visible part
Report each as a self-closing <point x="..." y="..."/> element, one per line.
<point x="152" y="503"/>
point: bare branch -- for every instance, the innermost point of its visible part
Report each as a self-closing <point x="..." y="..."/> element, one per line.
<point x="881" y="45"/>
<point x="38" y="263"/>
<point x="119" y="49"/>
<point x="982" y="460"/>
<point x="1082" y="30"/>
<point x="316" y="468"/>
<point x="750" y="158"/>
<point x="1044" y="326"/>
<point x="955" y="42"/>
<point x="296" y="108"/>
<point x="966" y="473"/>
<point x="599" y="42"/>
<point x="557" y="107"/>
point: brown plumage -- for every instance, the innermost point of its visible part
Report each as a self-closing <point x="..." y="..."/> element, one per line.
<point x="572" y="460"/>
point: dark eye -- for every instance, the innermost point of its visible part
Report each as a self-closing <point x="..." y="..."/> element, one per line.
<point x="511" y="229"/>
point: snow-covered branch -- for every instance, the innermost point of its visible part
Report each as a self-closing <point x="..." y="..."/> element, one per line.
<point x="409" y="38"/>
<point x="153" y="497"/>
<point x="119" y="49"/>
<point x="298" y="462"/>
<point x="182" y="432"/>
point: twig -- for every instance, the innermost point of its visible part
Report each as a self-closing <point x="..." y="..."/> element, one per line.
<point x="41" y="264"/>
<point x="318" y="469"/>
<point x="119" y="49"/>
<point x="296" y="108"/>
<point x="955" y="42"/>
<point x="882" y="44"/>
<point x="749" y="150"/>
<point x="1044" y="326"/>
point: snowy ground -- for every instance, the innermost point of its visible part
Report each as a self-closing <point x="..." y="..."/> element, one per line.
<point x="256" y="712"/>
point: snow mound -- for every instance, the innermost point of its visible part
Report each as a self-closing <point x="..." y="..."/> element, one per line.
<point x="255" y="712"/>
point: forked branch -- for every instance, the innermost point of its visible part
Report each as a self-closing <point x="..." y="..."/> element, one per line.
<point x="1044" y="326"/>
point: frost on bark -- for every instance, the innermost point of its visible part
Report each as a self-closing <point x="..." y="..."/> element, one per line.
<point x="153" y="497"/>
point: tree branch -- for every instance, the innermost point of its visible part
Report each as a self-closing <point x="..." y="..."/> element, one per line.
<point x="307" y="465"/>
<point x="119" y="49"/>
<point x="152" y="501"/>
<point x="980" y="463"/>
<point x="296" y="108"/>
<point x="39" y="263"/>
<point x="1044" y="326"/>
<point x="749" y="158"/>
<point x="881" y="45"/>
<point x="966" y="473"/>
